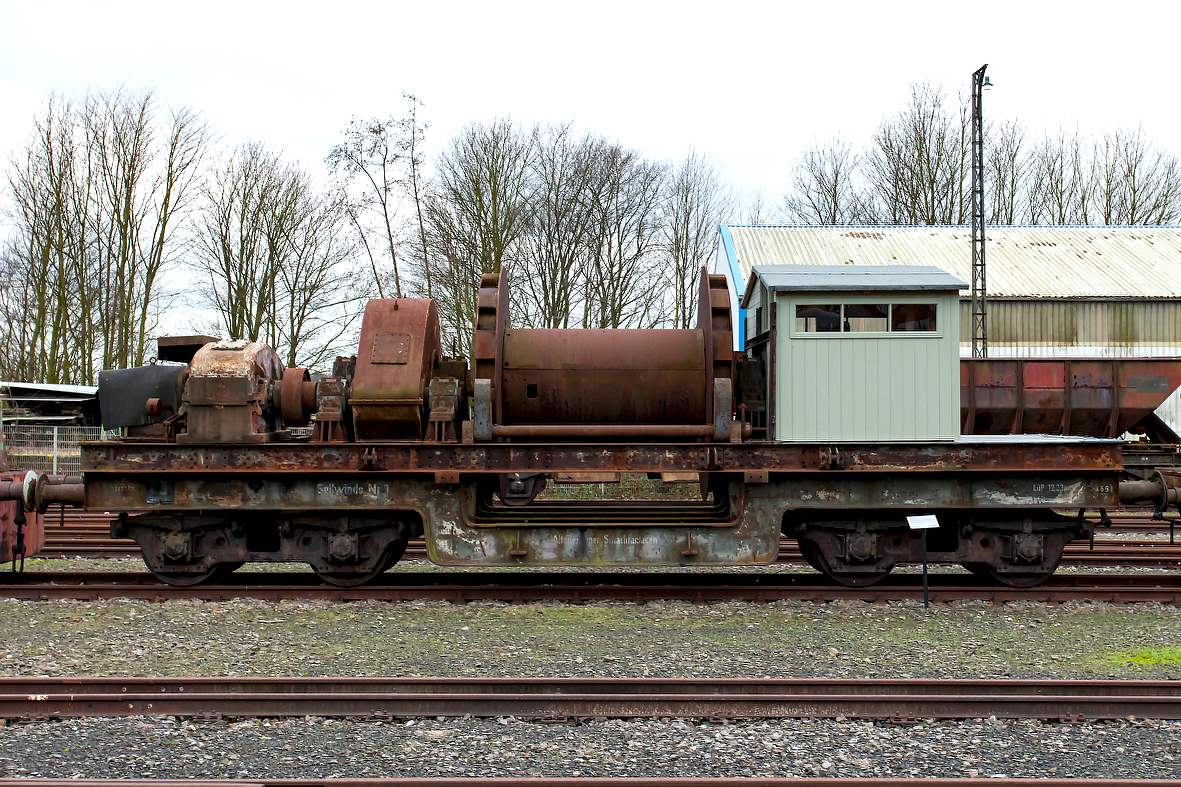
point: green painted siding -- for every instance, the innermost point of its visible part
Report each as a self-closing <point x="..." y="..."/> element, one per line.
<point x="879" y="387"/>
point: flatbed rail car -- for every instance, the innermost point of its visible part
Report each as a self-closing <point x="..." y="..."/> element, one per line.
<point x="348" y="509"/>
<point x="406" y="442"/>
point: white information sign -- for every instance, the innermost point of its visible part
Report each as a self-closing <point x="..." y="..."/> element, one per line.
<point x="923" y="522"/>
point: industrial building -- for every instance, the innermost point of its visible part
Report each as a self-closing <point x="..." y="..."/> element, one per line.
<point x="1080" y="292"/>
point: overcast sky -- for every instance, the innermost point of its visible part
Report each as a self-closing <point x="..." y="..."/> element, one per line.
<point x="749" y="84"/>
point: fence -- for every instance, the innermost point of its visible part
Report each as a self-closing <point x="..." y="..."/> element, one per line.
<point x="54" y="449"/>
<point x="48" y="449"/>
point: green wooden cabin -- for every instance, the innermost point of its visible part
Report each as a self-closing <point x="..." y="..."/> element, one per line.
<point x="857" y="353"/>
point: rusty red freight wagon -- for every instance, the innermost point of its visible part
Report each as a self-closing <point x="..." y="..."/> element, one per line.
<point x="1098" y="397"/>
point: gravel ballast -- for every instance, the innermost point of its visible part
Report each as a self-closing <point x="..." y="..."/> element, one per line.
<point x="322" y="748"/>
<point x="675" y="639"/>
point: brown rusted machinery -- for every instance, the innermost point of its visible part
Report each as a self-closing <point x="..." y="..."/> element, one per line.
<point x="527" y="384"/>
<point x="215" y="465"/>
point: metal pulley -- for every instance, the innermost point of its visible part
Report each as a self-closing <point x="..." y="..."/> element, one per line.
<point x="296" y="397"/>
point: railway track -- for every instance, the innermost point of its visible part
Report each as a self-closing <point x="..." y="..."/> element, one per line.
<point x="586" y="781"/>
<point x="568" y="699"/>
<point x="592" y="781"/>
<point x="87" y="535"/>
<point x="516" y="587"/>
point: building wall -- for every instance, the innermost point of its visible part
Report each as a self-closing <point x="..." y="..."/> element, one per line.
<point x="867" y="387"/>
<point x="1104" y="328"/>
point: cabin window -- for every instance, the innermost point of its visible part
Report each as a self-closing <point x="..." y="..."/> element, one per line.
<point x="864" y="318"/>
<point x="912" y="317"/>
<point x="818" y="319"/>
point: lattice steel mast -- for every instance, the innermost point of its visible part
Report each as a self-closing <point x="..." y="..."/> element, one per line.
<point x="979" y="284"/>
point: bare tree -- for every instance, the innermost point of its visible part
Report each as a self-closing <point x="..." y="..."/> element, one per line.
<point x="455" y="271"/>
<point x="483" y="176"/>
<point x="318" y="296"/>
<point x="1005" y="164"/>
<point x="1059" y="181"/>
<point x="375" y="152"/>
<point x="917" y="165"/>
<point x="824" y="186"/>
<point x="757" y="210"/>
<point x="476" y="216"/>
<point x="248" y="207"/>
<point x="48" y="257"/>
<point x="695" y="204"/>
<point x="622" y="284"/>
<point x="561" y="221"/>
<point x="96" y="199"/>
<point x="1135" y="182"/>
<point x="415" y="134"/>
<point x="276" y="258"/>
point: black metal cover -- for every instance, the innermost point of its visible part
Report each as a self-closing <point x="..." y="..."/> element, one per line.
<point x="123" y="394"/>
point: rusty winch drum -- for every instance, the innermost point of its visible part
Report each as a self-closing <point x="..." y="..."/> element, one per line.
<point x="594" y="384"/>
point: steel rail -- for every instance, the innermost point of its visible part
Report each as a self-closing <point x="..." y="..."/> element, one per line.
<point x="582" y="587"/>
<point x="593" y="781"/>
<point x="31" y="699"/>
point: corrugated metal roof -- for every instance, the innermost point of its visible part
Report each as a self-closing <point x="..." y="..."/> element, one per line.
<point x="1023" y="262"/>
<point x="830" y="278"/>
<point x="87" y="391"/>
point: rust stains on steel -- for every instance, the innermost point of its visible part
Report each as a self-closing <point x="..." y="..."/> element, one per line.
<point x="399" y="349"/>
<point x="961" y="457"/>
<point x="88" y="534"/>
<point x="617" y="383"/>
<point x="22" y="532"/>
<point x="623" y="377"/>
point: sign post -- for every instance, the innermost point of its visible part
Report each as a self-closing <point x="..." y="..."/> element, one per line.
<point x="924" y="523"/>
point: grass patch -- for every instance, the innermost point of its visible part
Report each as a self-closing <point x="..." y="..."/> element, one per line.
<point x="1151" y="657"/>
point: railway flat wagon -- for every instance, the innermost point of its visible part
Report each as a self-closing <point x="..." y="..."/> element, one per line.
<point x="840" y="419"/>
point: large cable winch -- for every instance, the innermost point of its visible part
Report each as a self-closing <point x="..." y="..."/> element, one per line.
<point x="557" y="384"/>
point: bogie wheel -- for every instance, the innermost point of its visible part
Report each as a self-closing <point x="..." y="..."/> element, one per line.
<point x="225" y="569"/>
<point x="977" y="569"/>
<point x="184" y="579"/>
<point x="858" y="579"/>
<point x="342" y="579"/>
<point x="1017" y="579"/>
<point x="809" y="550"/>
<point x="1024" y="579"/>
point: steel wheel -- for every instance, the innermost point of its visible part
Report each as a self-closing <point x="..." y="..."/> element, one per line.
<point x="350" y="579"/>
<point x="1017" y="580"/>
<point x="851" y="579"/>
<point x="184" y="579"/>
